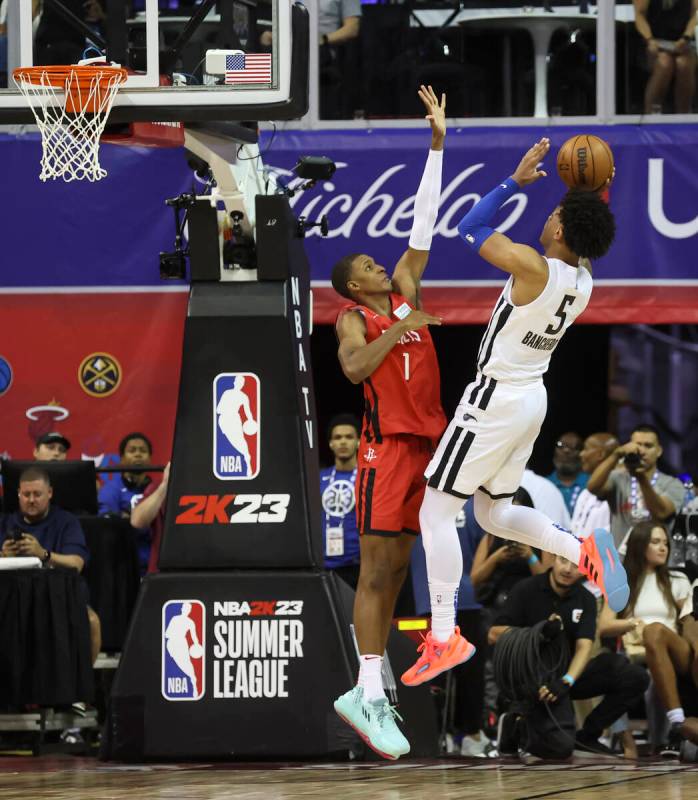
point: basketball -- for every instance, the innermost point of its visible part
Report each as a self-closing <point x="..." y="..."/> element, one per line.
<point x="585" y="162"/>
<point x="249" y="427"/>
<point x="196" y="651"/>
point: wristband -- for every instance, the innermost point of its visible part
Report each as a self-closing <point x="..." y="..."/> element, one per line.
<point x="325" y="39"/>
<point x="47" y="557"/>
<point x="532" y="560"/>
<point x="568" y="679"/>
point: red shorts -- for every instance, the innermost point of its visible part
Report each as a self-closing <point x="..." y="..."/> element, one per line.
<point x="390" y="484"/>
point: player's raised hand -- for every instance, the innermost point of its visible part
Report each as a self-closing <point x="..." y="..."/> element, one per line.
<point x="418" y="319"/>
<point x="436" y="112"/>
<point x="528" y="170"/>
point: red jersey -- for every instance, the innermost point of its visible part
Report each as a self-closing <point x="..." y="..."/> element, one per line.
<point x="403" y="393"/>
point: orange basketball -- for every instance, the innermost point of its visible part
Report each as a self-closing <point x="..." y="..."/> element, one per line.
<point x="585" y="162"/>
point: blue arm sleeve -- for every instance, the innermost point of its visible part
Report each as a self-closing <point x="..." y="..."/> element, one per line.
<point x="474" y="228"/>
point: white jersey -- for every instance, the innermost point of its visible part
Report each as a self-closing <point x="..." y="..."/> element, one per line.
<point x="589" y="514"/>
<point x="519" y="340"/>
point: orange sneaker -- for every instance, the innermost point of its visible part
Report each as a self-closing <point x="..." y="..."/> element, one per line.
<point x="437" y="657"/>
<point x="599" y="561"/>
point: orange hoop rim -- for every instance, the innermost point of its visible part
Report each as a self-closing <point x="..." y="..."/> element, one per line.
<point x="57" y="75"/>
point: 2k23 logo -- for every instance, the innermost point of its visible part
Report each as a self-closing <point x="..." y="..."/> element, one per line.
<point x="212" y="509"/>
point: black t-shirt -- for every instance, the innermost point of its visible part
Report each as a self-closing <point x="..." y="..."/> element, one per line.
<point x="534" y="600"/>
<point x="669" y="22"/>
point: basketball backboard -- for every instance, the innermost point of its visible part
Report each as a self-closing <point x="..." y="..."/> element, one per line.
<point x="188" y="60"/>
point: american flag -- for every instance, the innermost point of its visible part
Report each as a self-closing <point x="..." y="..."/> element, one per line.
<point x="248" y="68"/>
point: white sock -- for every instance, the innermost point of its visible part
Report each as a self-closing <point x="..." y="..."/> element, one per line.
<point x="525" y="525"/>
<point x="444" y="557"/>
<point x="676" y="716"/>
<point x="443" y="609"/>
<point x="370" y="677"/>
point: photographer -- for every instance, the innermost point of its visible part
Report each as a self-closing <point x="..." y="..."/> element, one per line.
<point x="558" y="599"/>
<point x="633" y="486"/>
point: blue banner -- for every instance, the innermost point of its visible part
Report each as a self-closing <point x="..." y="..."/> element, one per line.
<point x="369" y="201"/>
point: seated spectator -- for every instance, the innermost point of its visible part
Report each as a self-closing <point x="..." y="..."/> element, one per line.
<point x="123" y="490"/>
<point x="149" y="512"/>
<point x="464" y="726"/>
<point x="559" y="597"/>
<point x="633" y="486"/>
<point x="649" y="624"/>
<point x="48" y="533"/>
<point x="590" y="512"/>
<point x="51" y="447"/>
<point x="568" y="475"/>
<point x="339" y="529"/>
<point x="117" y="494"/>
<point x="668" y="28"/>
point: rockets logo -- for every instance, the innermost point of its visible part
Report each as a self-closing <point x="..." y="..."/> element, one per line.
<point x="236" y="426"/>
<point x="183" y="649"/>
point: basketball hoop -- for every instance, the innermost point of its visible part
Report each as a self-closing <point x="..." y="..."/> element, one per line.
<point x="71" y="105"/>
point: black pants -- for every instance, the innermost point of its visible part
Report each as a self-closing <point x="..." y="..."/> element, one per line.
<point x="620" y="683"/>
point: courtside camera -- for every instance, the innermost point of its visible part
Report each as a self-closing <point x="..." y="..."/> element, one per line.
<point x="315" y="168"/>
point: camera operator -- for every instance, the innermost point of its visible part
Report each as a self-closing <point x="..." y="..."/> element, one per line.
<point x="633" y="486"/>
<point x="558" y="599"/>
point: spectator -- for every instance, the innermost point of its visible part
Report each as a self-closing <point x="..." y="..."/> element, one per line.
<point x="51" y="447"/>
<point x="339" y="531"/>
<point x="339" y="22"/>
<point x="469" y="678"/>
<point x="48" y="533"/>
<point x="568" y="475"/>
<point x="119" y="494"/>
<point x="590" y="512"/>
<point x="649" y="624"/>
<point x="636" y="490"/>
<point x="149" y="512"/>
<point x="668" y="28"/>
<point x="559" y="594"/>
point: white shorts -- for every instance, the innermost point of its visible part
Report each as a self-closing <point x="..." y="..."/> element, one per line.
<point x="490" y="439"/>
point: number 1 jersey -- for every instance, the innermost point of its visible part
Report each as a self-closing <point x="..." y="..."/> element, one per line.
<point x="403" y="394"/>
<point x="519" y="340"/>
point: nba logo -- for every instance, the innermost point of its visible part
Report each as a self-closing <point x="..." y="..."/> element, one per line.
<point x="183" y="649"/>
<point x="236" y="426"/>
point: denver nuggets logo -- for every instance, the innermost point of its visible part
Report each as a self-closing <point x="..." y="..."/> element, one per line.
<point x="99" y="375"/>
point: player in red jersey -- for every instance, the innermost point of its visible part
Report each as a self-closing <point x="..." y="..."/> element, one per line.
<point x="384" y="342"/>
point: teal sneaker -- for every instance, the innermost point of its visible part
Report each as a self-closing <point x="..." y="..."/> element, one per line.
<point x="374" y="721"/>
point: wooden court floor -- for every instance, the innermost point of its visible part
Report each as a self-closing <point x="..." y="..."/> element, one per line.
<point x="69" y="778"/>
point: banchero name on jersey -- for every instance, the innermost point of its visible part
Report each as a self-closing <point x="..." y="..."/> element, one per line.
<point x="538" y="342"/>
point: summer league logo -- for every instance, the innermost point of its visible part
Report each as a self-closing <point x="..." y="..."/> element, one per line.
<point x="183" y="649"/>
<point x="236" y="426"/>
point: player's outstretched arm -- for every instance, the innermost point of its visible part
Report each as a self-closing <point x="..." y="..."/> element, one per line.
<point x="358" y="358"/>
<point x="410" y="268"/>
<point x="517" y="259"/>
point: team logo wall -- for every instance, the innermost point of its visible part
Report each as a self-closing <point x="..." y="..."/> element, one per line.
<point x="5" y="375"/>
<point x="99" y="374"/>
<point x="183" y="649"/>
<point x="236" y="426"/>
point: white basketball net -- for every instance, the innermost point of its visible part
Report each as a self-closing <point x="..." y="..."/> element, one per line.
<point x="70" y="141"/>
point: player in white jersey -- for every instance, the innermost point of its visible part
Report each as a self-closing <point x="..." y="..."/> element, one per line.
<point x="484" y="451"/>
